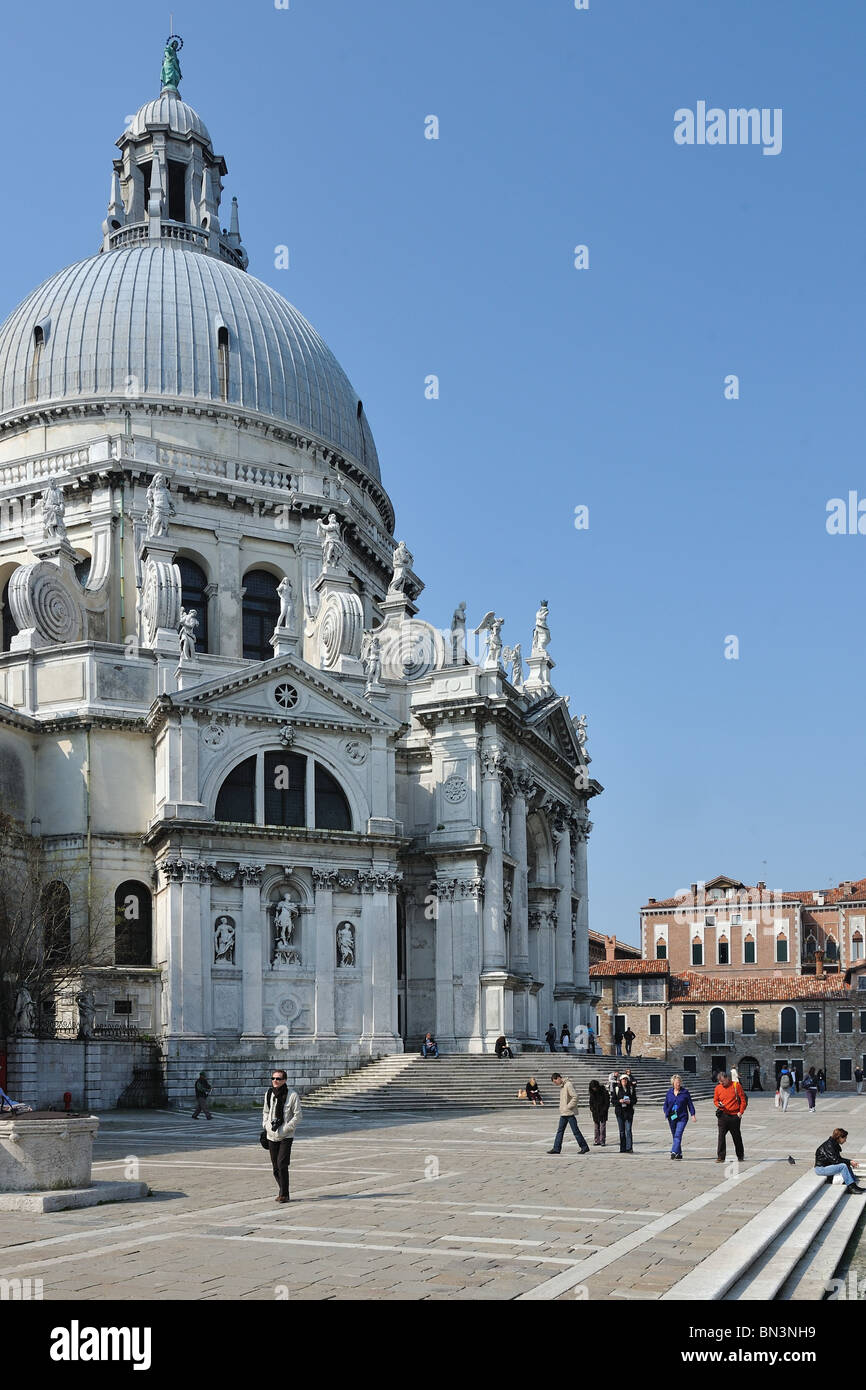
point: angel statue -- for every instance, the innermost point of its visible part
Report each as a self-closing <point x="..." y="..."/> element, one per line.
<point x="159" y="507"/>
<point x="515" y="657"/>
<point x="493" y="625"/>
<point x="541" y="633"/>
<point x="331" y="535"/>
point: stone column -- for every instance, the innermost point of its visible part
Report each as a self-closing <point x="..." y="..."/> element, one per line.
<point x="379" y="929"/>
<point x="324" y="883"/>
<point x="564" y="981"/>
<point x="442" y="889"/>
<point x="169" y="915"/>
<point x="491" y="813"/>
<point x="252" y="948"/>
<point x="229" y="628"/>
<point x="520" y="904"/>
<point x="581" y="831"/>
<point x="192" y="981"/>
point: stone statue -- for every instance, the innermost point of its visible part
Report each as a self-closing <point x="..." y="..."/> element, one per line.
<point x="86" y="1014"/>
<point x="345" y="944"/>
<point x="224" y="940"/>
<point x="541" y="634"/>
<point x="287" y="604"/>
<point x="515" y="657"/>
<point x="159" y="507"/>
<point x="371" y="662"/>
<point x="285" y="912"/>
<point x="25" y="1012"/>
<point x="402" y="565"/>
<point x="458" y="634"/>
<point x="171" y="74"/>
<point x="186" y="629"/>
<point x="493" y="626"/>
<point x="53" y="508"/>
<point x="331" y="535"/>
<point x="580" y="730"/>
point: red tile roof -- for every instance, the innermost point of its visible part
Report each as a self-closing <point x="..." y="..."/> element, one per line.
<point x="630" y="967"/>
<point x="695" y="988"/>
<point x="831" y="896"/>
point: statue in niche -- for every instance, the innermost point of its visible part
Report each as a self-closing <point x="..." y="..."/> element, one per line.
<point x="159" y="507"/>
<point x="224" y="940"/>
<point x="285" y="915"/>
<point x="345" y="944"/>
<point x="187" y="630"/>
<point x="541" y="633"/>
<point x="287" y="604"/>
<point x="86" y="1014"/>
<point x="53" y="508"/>
<point x="402" y="565"/>
<point x="493" y="627"/>
<point x="331" y="535"/>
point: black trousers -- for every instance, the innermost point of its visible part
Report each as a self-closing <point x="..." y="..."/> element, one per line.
<point x="281" y="1155"/>
<point x="729" y="1124"/>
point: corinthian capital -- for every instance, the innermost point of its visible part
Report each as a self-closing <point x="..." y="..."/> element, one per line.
<point x="492" y="762"/>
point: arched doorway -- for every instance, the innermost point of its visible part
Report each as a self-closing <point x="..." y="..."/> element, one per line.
<point x="750" y="1074"/>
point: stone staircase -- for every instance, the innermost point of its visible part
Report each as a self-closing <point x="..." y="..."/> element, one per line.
<point x="461" y="1081"/>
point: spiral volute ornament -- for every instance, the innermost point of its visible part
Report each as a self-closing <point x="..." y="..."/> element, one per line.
<point x="42" y="601"/>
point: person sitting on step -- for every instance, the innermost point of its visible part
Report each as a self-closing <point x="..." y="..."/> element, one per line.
<point x="830" y="1161"/>
<point x="429" y="1047"/>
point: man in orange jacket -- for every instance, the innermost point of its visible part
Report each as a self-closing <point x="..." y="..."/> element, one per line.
<point x="730" y="1101"/>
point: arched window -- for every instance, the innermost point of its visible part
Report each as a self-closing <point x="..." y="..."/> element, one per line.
<point x="56" y="915"/>
<point x="332" y="808"/>
<point x="237" y="795"/>
<point x="132" y="924"/>
<point x="223" y="354"/>
<point x="788" y="1026"/>
<point x="33" y="379"/>
<point x="781" y="948"/>
<point x="661" y="949"/>
<point x="811" y="944"/>
<point x="717" y="1026"/>
<point x="193" y="582"/>
<point x="749" y="950"/>
<point x="724" y="954"/>
<point x="285" y="789"/>
<point x="82" y="570"/>
<point x="697" y="951"/>
<point x="10" y="627"/>
<point x="857" y="946"/>
<point x="260" y="614"/>
<point x="832" y="949"/>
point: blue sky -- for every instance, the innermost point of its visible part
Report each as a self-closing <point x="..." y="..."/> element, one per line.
<point x="558" y="387"/>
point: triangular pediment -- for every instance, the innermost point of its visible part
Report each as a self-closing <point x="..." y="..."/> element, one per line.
<point x="268" y="690"/>
<point x="552" y="721"/>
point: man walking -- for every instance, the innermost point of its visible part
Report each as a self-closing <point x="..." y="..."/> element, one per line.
<point x="617" y="1042"/>
<point x="567" y="1114"/>
<point x="729" y="1098"/>
<point x="858" y="1077"/>
<point x="281" y="1114"/>
<point x="784" y="1089"/>
<point x="550" y="1037"/>
<point x="203" y="1089"/>
<point x="628" y="1038"/>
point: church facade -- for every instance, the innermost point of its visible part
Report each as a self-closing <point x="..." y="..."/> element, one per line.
<point x="282" y="810"/>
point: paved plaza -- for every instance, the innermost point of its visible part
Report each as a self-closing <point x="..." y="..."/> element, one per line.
<point x="399" y="1207"/>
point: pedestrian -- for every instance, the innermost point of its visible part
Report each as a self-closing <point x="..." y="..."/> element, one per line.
<point x="501" y="1048"/>
<point x="678" y="1105"/>
<point x="281" y="1114"/>
<point x="858" y="1077"/>
<point x="429" y="1047"/>
<point x="550" y="1037"/>
<point x="617" y="1042"/>
<point x="567" y="1114"/>
<point x="565" y="1038"/>
<point x="830" y="1161"/>
<point x="532" y="1092"/>
<point x="203" y="1089"/>
<point x="729" y="1098"/>
<point x="756" y="1078"/>
<point x="784" y="1089"/>
<point x="796" y="1070"/>
<point x="590" y="1039"/>
<point x="822" y="1080"/>
<point x="611" y="1084"/>
<point x="599" y="1108"/>
<point x="810" y="1086"/>
<point x="624" y="1100"/>
<point x="628" y="1039"/>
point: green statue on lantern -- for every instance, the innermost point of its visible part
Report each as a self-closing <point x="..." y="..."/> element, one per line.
<point x="171" y="73"/>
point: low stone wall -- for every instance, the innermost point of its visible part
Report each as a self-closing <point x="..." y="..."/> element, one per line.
<point x="40" y="1070"/>
<point x="239" y="1078"/>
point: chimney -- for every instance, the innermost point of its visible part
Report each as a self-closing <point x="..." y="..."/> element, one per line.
<point x="651" y="901"/>
<point x="761" y="887"/>
<point x="819" y="962"/>
<point x="610" y="948"/>
<point x="694" y="888"/>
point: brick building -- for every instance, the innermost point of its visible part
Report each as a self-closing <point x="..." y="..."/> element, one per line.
<point x="609" y="948"/>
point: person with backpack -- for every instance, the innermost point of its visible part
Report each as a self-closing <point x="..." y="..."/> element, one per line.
<point x="730" y="1101"/>
<point x="599" y="1108"/>
<point x="203" y="1089"/>
<point x="784" y="1089"/>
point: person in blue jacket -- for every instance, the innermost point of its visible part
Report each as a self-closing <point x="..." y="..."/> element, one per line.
<point x="678" y="1107"/>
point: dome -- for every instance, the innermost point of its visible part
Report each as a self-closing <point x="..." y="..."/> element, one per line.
<point x="168" y="110"/>
<point x="148" y="317"/>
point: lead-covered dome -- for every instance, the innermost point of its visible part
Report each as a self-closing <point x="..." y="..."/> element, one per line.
<point x="150" y="319"/>
<point x="169" y="111"/>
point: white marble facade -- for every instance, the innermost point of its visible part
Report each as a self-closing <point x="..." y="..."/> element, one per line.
<point x="343" y="825"/>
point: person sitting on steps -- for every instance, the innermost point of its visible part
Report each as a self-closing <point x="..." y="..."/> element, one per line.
<point x="830" y="1161"/>
<point x="429" y="1047"/>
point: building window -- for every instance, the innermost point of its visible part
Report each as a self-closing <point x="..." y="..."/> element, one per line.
<point x="638" y="991"/>
<point x="627" y="992"/>
<point x="10" y="627"/>
<point x="717" y="1026"/>
<point x="832" y="952"/>
<point x="177" y="191"/>
<point x="813" y="1021"/>
<point x="788" y="1026"/>
<point x="724" y="958"/>
<point x="237" y="795"/>
<point x="193" y="582"/>
<point x="861" y="981"/>
<point x="845" y="1064"/>
<point x="33" y="380"/>
<point x="285" y="789"/>
<point x="132" y="924"/>
<point x="749" y="951"/>
<point x="811" y="944"/>
<point x="736" y="919"/>
<point x="697" y="951"/>
<point x="690" y="1025"/>
<point x="661" y="949"/>
<point x="749" y="1023"/>
<point x="781" y="949"/>
<point x="282" y="796"/>
<point x="56" y="915"/>
<point x="123" y="1006"/>
<point x="223" y="362"/>
<point x="846" y="1021"/>
<point x="710" y="919"/>
<point x="332" y="808"/>
<point x="260" y="613"/>
<point x="655" y="1025"/>
<point x="690" y="1065"/>
<point x="856" y="946"/>
<point x="863" y="1020"/>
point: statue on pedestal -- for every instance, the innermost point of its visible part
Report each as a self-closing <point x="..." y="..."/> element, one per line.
<point x="458" y="634"/>
<point x="371" y="662"/>
<point x="25" y="1013"/>
<point x="514" y="656"/>
<point x="224" y="940"/>
<point x="86" y="1014"/>
<point x="493" y="626"/>
<point x="345" y="944"/>
<point x="159" y="507"/>
<point x="170" y="73"/>
<point x="285" y="913"/>
<point x="402" y="565"/>
<point x="541" y="633"/>
<point x="186" y="630"/>
<point x="331" y="535"/>
<point x="287" y="604"/>
<point x="53" y="508"/>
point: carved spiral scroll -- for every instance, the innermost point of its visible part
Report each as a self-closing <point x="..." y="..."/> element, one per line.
<point x="40" y="599"/>
<point x="161" y="599"/>
<point x="340" y="628"/>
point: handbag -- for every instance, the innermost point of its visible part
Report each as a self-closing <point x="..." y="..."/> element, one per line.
<point x="521" y="1095"/>
<point x="263" y="1139"/>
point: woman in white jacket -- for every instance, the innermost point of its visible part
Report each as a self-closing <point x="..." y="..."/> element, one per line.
<point x="281" y="1114"/>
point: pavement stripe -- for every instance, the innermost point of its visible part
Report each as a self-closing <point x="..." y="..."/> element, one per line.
<point x="384" y="1249"/>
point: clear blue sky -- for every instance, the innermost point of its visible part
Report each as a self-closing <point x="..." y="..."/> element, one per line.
<point x="601" y="387"/>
